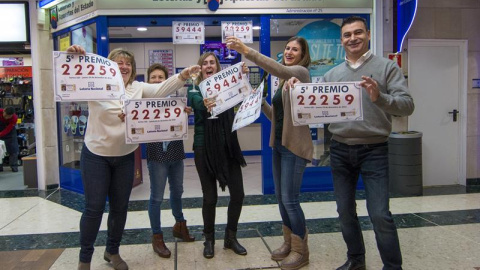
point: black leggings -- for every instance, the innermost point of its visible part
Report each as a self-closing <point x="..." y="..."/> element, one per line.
<point x="210" y="195"/>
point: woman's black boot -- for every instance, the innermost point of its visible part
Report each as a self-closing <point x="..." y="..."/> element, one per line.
<point x="231" y="242"/>
<point x="209" y="249"/>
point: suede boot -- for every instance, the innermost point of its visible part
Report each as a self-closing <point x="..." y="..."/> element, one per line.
<point x="209" y="249"/>
<point x="180" y="230"/>
<point x="83" y="266"/>
<point x="117" y="262"/>
<point x="231" y="242"/>
<point x="299" y="255"/>
<point x="159" y="246"/>
<point x="283" y="251"/>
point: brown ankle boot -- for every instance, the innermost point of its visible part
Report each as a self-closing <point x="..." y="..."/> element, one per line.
<point x="159" y="246"/>
<point x="299" y="255"/>
<point x="283" y="251"/>
<point x="180" y="230"/>
<point x="83" y="266"/>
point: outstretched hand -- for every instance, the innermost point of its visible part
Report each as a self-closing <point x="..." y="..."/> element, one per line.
<point x="291" y="83"/>
<point x="187" y="72"/>
<point x="188" y="110"/>
<point x="76" y="49"/>
<point x="245" y="69"/>
<point x="121" y="116"/>
<point x="371" y="86"/>
<point x="209" y="103"/>
<point x="236" y="44"/>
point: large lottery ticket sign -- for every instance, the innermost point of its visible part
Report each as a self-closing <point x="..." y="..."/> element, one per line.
<point x="321" y="103"/>
<point x="188" y="32"/>
<point x="227" y="88"/>
<point x="153" y="120"/>
<point x="250" y="109"/>
<point x="83" y="77"/>
<point x="239" y="29"/>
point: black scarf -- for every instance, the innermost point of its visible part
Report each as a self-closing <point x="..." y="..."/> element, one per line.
<point x="220" y="143"/>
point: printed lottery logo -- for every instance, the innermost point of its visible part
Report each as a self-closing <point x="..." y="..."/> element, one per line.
<point x="91" y="84"/>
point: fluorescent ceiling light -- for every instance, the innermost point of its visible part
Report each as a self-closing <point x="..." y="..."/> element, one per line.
<point x="142" y="29"/>
<point x="256" y="28"/>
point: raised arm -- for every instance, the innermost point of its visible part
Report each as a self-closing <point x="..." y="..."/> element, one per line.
<point x="169" y="86"/>
<point x="268" y="64"/>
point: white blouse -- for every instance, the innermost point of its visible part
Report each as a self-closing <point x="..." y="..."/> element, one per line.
<point x="105" y="135"/>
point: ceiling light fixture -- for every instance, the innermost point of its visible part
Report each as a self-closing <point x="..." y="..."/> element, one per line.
<point x="142" y="29"/>
<point x="256" y="28"/>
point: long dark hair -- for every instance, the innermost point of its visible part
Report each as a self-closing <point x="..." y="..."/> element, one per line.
<point x="305" y="61"/>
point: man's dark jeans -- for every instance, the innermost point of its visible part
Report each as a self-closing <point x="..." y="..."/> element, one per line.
<point x="371" y="161"/>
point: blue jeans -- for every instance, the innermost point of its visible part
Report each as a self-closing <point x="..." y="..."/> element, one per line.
<point x="102" y="177"/>
<point x="371" y="161"/>
<point x="11" y="144"/>
<point x="287" y="176"/>
<point x="159" y="172"/>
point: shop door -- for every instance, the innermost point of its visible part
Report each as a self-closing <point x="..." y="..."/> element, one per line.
<point x="437" y="81"/>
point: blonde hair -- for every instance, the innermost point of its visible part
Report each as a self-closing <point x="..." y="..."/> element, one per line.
<point x="200" y="63"/>
<point x="128" y="55"/>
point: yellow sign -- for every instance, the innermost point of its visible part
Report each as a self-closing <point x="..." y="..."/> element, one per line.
<point x="64" y="43"/>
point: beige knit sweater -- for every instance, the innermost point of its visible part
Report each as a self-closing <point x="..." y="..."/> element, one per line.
<point x="297" y="139"/>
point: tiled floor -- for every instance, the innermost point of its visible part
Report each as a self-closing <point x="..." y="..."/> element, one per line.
<point x="440" y="230"/>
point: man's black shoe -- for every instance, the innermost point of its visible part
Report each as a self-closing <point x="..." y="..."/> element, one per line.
<point x="352" y="264"/>
<point x="14" y="169"/>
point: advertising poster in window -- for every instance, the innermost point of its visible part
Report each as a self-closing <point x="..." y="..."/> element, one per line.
<point x="239" y="29"/>
<point x="226" y="56"/>
<point x="326" y="49"/>
<point x="188" y="32"/>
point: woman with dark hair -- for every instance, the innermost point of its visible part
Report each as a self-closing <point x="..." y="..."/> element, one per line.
<point x="292" y="146"/>
<point x="217" y="157"/>
<point x="165" y="161"/>
<point x="107" y="162"/>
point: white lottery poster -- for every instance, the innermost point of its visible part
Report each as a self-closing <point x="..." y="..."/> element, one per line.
<point x="321" y="103"/>
<point x="153" y="120"/>
<point x="188" y="32"/>
<point x="227" y="87"/>
<point x="250" y="109"/>
<point x="79" y="77"/>
<point x="239" y="29"/>
<point x="275" y="84"/>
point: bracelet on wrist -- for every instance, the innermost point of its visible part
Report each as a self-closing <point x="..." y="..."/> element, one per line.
<point x="183" y="78"/>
